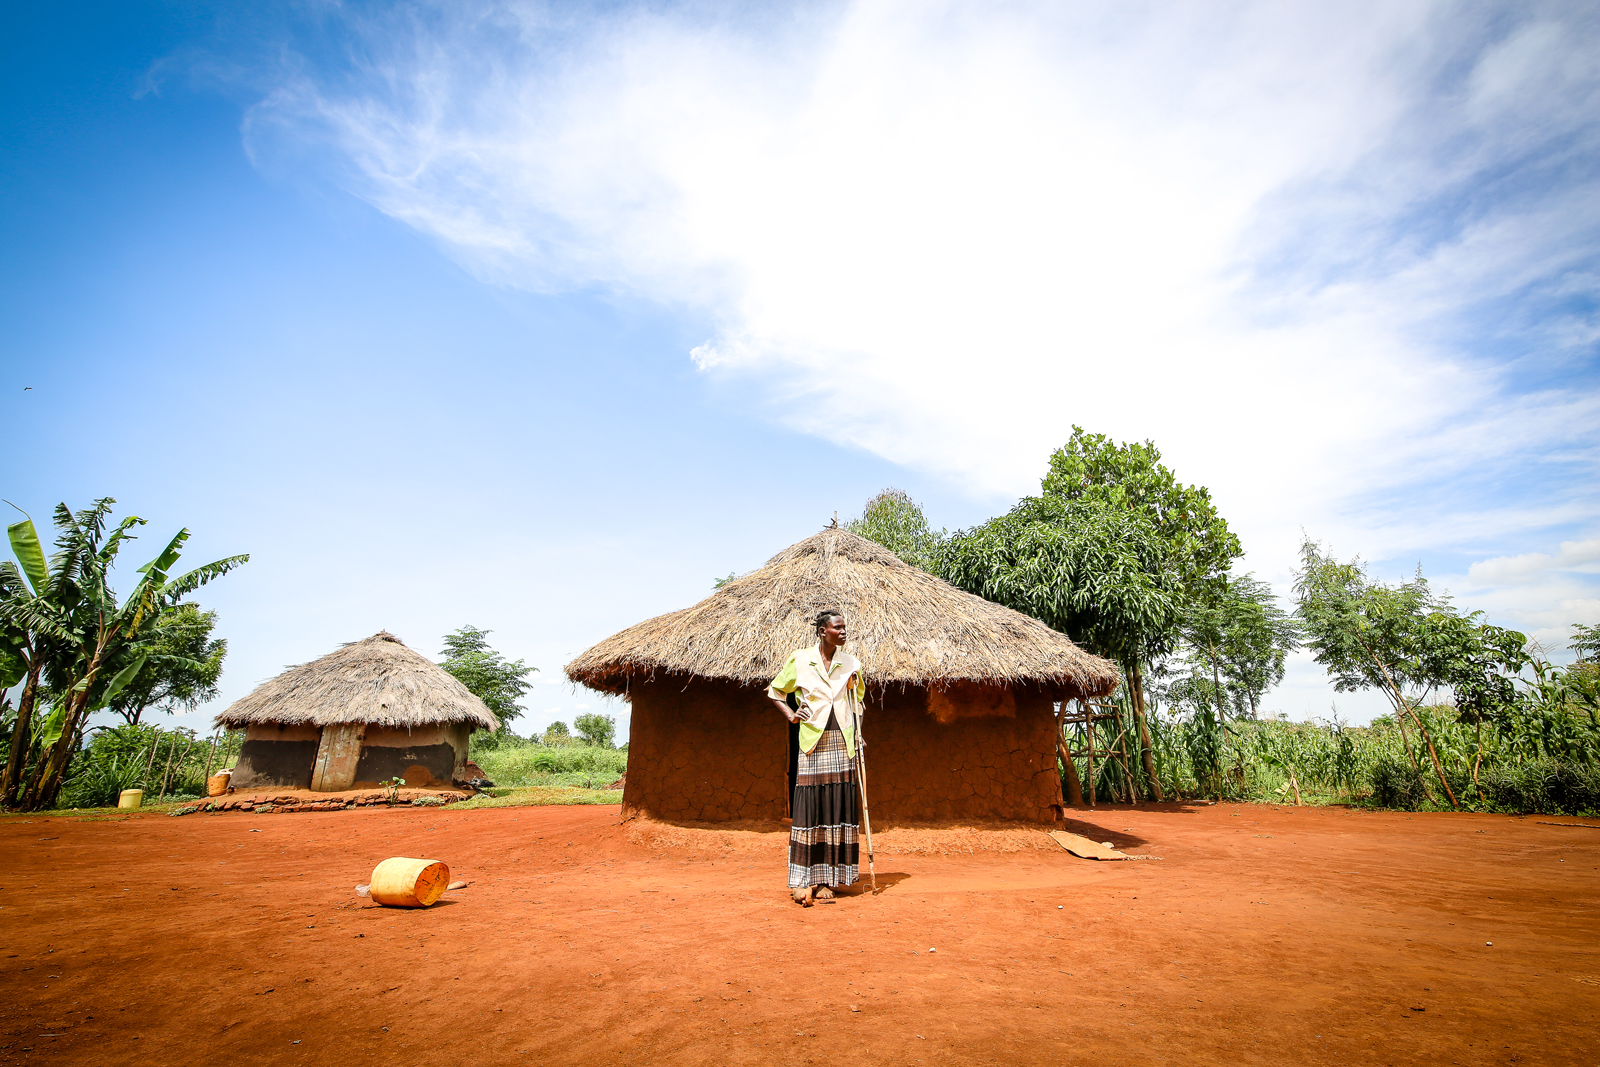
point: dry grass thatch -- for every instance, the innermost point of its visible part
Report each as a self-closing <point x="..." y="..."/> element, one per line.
<point x="378" y="681"/>
<point x="906" y="627"/>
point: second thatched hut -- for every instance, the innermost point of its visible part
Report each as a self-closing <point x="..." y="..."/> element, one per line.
<point x="960" y="719"/>
<point x="371" y="711"/>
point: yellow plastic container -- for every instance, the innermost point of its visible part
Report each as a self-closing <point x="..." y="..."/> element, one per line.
<point x="130" y="798"/>
<point x="406" y="883"/>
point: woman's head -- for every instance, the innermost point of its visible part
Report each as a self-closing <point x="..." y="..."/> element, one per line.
<point x="830" y="627"/>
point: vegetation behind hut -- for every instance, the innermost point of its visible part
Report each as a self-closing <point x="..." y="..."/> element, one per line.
<point x="498" y="682"/>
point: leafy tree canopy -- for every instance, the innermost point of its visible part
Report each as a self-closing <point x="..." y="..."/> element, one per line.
<point x="1088" y="568"/>
<point x="595" y="729"/>
<point x="1403" y="639"/>
<point x="1236" y="641"/>
<point x="1131" y="477"/>
<point x="895" y="521"/>
<point x="1585" y="641"/>
<point x="183" y="666"/>
<point x="498" y="682"/>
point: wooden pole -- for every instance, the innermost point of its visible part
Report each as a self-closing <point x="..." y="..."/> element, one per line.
<point x="1089" y="732"/>
<point x="1070" y="766"/>
<point x="1127" y="769"/>
<point x="211" y="754"/>
<point x="151" y="762"/>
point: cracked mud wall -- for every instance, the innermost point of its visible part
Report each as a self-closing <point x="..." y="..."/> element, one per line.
<point x="715" y="751"/>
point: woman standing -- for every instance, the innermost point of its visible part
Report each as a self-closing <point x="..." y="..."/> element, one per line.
<point x="827" y="688"/>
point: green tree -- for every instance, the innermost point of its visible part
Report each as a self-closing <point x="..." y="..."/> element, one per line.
<point x="1238" y="640"/>
<point x="1404" y="640"/>
<point x="895" y="521"/>
<point x="489" y="676"/>
<point x="596" y="729"/>
<point x="1088" y="568"/>
<point x="557" y="734"/>
<point x="1585" y="641"/>
<point x="91" y="643"/>
<point x="1131" y="477"/>
<point x="183" y="667"/>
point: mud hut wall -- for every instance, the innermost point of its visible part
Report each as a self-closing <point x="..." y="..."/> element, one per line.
<point x="717" y="751"/>
<point x="994" y="759"/>
<point x="425" y="756"/>
<point x="705" y="751"/>
<point x="277" y="754"/>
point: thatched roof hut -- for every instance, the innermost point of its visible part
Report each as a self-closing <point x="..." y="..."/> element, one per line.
<point x="367" y="712"/>
<point x="961" y="717"/>
<point x="906" y="627"/>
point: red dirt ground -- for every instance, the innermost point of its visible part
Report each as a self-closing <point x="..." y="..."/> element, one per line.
<point x="1263" y="935"/>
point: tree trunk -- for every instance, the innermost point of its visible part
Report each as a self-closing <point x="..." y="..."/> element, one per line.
<point x="1438" y="768"/>
<point x="1146" y="750"/>
<point x="21" y="738"/>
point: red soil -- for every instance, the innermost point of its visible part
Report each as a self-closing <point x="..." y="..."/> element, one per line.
<point x="1263" y="935"/>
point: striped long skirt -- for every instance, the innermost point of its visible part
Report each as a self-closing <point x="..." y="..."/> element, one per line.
<point x="822" y="842"/>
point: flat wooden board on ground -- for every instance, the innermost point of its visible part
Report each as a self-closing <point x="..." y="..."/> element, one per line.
<point x="1084" y="848"/>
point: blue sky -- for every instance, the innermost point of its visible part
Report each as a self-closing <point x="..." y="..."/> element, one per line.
<point x="540" y="318"/>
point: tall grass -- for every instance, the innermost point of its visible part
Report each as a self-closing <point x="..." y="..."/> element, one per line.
<point x="583" y="766"/>
<point x="1529" y="756"/>
<point x="167" y="764"/>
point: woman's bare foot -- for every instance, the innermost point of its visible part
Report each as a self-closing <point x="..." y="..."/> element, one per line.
<point x="802" y="896"/>
<point x="824" y="892"/>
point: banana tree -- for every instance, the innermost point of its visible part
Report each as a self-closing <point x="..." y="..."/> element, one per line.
<point x="30" y="634"/>
<point x="97" y="645"/>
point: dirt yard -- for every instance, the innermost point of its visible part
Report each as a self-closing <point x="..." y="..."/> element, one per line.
<point x="1262" y="935"/>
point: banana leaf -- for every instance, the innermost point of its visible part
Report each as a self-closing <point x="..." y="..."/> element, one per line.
<point x="25" y="543"/>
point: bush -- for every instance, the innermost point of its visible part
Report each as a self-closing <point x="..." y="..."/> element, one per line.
<point x="1547" y="786"/>
<point x="98" y="782"/>
<point x="590" y="768"/>
<point x="1397" y="783"/>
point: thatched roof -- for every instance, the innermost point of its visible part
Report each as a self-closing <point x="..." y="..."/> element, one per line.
<point x="906" y="627"/>
<point x="378" y="680"/>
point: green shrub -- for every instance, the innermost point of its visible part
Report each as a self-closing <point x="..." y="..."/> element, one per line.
<point x="1546" y="786"/>
<point x="1397" y="783"/>
<point x="589" y="768"/>
<point x="99" y="782"/>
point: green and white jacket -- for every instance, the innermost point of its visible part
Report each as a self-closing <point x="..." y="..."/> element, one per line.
<point x="833" y="693"/>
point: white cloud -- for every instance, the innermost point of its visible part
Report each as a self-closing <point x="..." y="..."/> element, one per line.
<point x="1581" y="556"/>
<point x="1272" y="237"/>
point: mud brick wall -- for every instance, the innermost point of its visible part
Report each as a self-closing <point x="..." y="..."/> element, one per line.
<point x="276" y="754"/>
<point x="425" y="756"/>
<point x="714" y="751"/>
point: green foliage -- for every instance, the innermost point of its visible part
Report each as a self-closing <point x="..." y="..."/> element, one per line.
<point x="1585" y="641"/>
<point x="182" y="667"/>
<point x="82" y="644"/>
<point x="596" y="730"/>
<point x="557" y="734"/>
<point x="1091" y="570"/>
<point x="1398" y="784"/>
<point x="1235" y="641"/>
<point x="1544" y="785"/>
<point x="529" y="764"/>
<point x="895" y="521"/>
<point x="1404" y="639"/>
<point x="166" y="764"/>
<point x="1131" y="478"/>
<point x="498" y="682"/>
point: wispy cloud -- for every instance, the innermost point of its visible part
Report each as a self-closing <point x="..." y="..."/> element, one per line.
<point x="1338" y="260"/>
